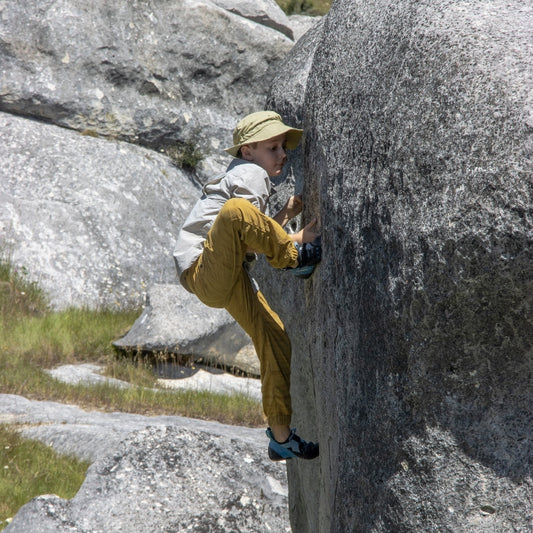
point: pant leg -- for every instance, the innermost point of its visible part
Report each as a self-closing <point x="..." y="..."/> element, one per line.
<point x="238" y="226"/>
<point x="219" y="280"/>
<point x="272" y="345"/>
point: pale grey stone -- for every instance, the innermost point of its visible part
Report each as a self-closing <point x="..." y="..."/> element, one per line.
<point x="85" y="373"/>
<point x="265" y="12"/>
<point x="175" y="321"/>
<point x="153" y="474"/>
<point x="213" y="380"/>
<point x="153" y="72"/>
<point x="168" y="479"/>
<point x="301" y="24"/>
<point x="94" y="221"/>
<point x="412" y="341"/>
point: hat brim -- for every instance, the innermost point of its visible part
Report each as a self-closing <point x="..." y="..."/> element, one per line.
<point x="293" y="137"/>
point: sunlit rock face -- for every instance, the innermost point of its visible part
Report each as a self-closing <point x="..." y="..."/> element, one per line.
<point x="412" y="346"/>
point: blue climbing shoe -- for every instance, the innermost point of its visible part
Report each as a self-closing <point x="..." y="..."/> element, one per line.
<point x="294" y="446"/>
<point x="309" y="255"/>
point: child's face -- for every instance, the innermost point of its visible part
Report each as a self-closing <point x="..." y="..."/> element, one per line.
<point x="269" y="154"/>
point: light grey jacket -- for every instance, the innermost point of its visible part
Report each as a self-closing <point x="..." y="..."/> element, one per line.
<point x="242" y="179"/>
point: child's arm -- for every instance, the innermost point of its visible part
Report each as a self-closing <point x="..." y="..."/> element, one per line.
<point x="292" y="208"/>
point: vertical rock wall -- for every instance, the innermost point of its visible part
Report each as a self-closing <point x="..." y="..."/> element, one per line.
<point x="412" y="343"/>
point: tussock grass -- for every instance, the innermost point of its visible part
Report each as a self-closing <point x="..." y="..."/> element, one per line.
<point x="34" y="344"/>
<point x="29" y="468"/>
<point x="34" y="338"/>
<point x="68" y="336"/>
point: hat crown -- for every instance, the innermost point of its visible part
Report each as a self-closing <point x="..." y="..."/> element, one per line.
<point x="252" y="124"/>
<point x="261" y="126"/>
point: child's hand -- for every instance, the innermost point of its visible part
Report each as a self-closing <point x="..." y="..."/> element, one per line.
<point x="294" y="205"/>
<point x="306" y="234"/>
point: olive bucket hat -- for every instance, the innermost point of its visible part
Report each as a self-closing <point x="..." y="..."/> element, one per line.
<point x="262" y="126"/>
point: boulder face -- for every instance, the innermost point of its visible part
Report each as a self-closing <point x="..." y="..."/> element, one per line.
<point x="412" y="348"/>
<point x="168" y="479"/>
<point x="154" y="72"/>
<point x="175" y="322"/>
<point x="92" y="220"/>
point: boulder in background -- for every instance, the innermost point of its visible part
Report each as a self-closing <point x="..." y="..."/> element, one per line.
<point x="94" y="221"/>
<point x="162" y="74"/>
<point x="175" y="322"/>
<point x="169" y="479"/>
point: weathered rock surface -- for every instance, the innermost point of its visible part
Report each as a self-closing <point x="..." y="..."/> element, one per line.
<point x="93" y="434"/>
<point x="287" y="94"/>
<point x="93" y="220"/>
<point x="164" y="479"/>
<point x="412" y="351"/>
<point x="174" y="321"/>
<point x="154" y="72"/>
<point x="167" y="474"/>
<point x="265" y="12"/>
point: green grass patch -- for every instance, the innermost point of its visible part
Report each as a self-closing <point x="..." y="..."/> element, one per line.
<point x="26" y="379"/>
<point x="305" y="7"/>
<point x="33" y="338"/>
<point x="32" y="344"/>
<point x="29" y="468"/>
<point x="68" y="336"/>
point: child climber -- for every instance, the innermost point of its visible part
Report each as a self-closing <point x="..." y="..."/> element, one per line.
<point x="226" y="224"/>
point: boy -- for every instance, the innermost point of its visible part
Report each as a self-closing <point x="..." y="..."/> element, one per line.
<point x="227" y="224"/>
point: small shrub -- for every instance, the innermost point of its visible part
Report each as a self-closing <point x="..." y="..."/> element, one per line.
<point x="185" y="155"/>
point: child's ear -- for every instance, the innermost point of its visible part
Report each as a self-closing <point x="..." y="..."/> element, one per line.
<point x="246" y="153"/>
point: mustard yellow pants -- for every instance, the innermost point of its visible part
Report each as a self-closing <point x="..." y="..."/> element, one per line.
<point x="219" y="279"/>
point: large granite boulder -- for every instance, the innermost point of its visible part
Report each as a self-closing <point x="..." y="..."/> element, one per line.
<point x="168" y="479"/>
<point x="92" y="220"/>
<point x="412" y="346"/>
<point x="154" y="72"/>
<point x="175" y="323"/>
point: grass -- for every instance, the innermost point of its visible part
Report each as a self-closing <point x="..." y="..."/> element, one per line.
<point x="30" y="345"/>
<point x="34" y="338"/>
<point x="29" y="468"/>
<point x="305" y="7"/>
